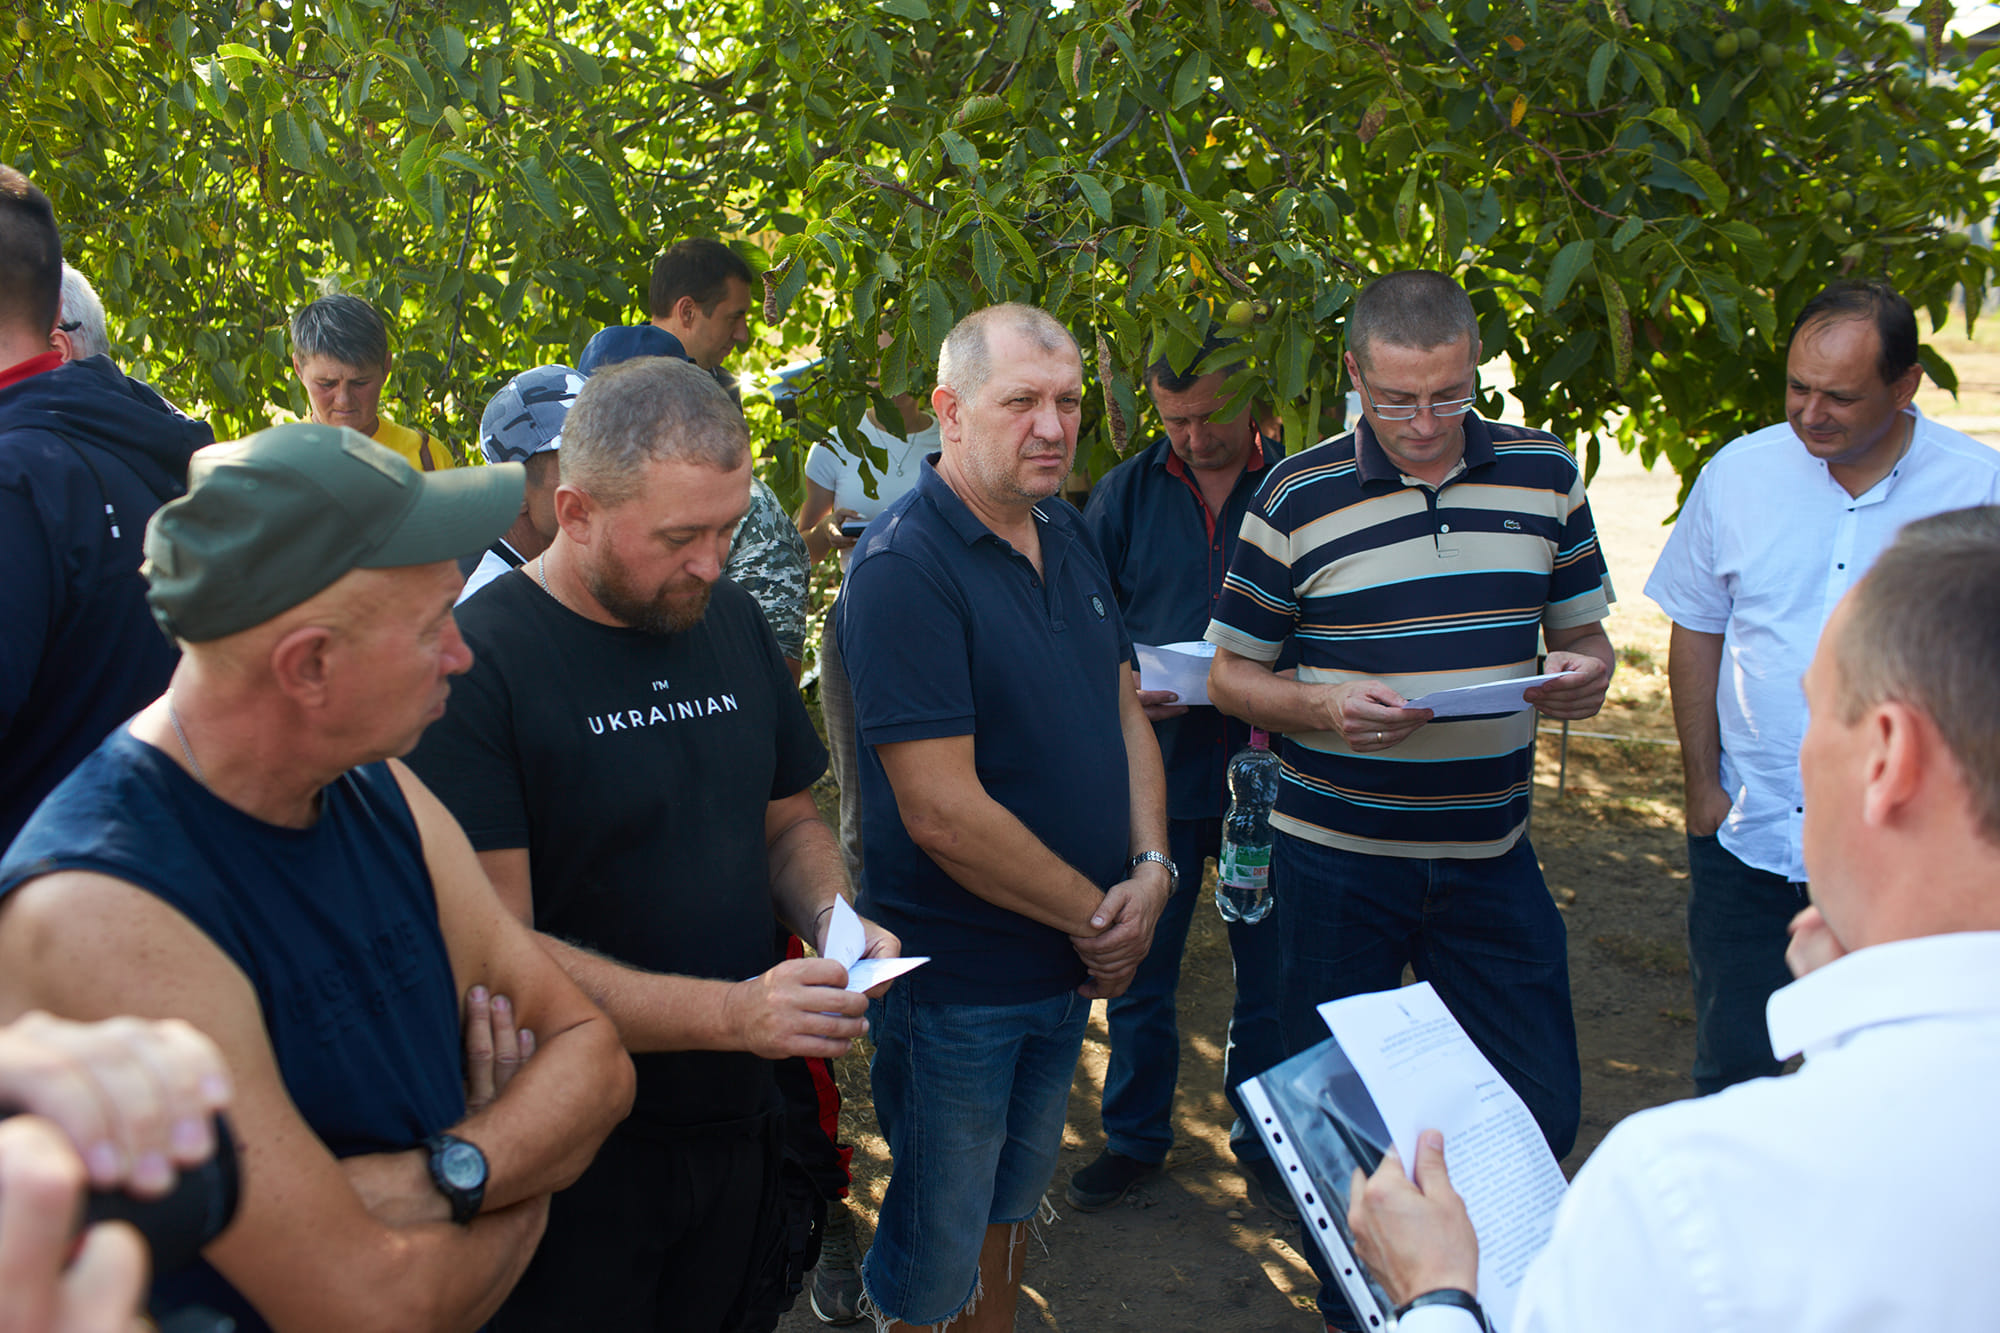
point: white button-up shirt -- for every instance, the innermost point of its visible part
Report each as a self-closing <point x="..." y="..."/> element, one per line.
<point x="1858" y="1195"/>
<point x="1767" y="543"/>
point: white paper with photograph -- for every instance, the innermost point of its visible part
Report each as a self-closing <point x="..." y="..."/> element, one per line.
<point x="1425" y="1073"/>
<point x="1495" y="696"/>
<point x="1180" y="667"/>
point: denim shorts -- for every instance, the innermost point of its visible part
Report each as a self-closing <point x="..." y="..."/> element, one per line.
<point x="971" y="1099"/>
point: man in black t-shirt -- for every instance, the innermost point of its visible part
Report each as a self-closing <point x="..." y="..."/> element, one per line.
<point x="633" y="765"/>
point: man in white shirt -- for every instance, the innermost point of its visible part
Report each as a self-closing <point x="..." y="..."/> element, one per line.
<point x="1856" y="1194"/>
<point x="1779" y="525"/>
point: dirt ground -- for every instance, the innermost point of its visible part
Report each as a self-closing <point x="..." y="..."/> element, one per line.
<point x="1191" y="1249"/>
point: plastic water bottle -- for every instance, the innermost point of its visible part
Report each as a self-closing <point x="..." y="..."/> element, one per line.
<point x="1243" y="880"/>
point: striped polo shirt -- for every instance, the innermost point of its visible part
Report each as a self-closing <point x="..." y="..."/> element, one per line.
<point x="1381" y="577"/>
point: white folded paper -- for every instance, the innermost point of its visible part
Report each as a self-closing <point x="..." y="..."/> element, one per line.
<point x="844" y="942"/>
<point x="1180" y="667"/>
<point x="1495" y="696"/>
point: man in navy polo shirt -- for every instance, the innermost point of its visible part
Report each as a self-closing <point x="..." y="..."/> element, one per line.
<point x="1166" y="522"/>
<point x="1424" y="550"/>
<point x="1013" y="811"/>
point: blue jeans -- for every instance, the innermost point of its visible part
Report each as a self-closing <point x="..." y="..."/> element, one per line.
<point x="1737" y="916"/>
<point x="1145" y="1038"/>
<point x="1484" y="932"/>
<point x="971" y="1099"/>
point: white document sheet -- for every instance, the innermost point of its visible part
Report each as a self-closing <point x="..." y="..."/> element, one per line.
<point x="1180" y="667"/>
<point x="1495" y="696"/>
<point x="844" y="942"/>
<point x="1425" y="1073"/>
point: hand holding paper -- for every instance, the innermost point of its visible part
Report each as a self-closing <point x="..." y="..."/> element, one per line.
<point x="1498" y="696"/>
<point x="1181" y="668"/>
<point x="846" y="942"/>
<point x="1412" y="1230"/>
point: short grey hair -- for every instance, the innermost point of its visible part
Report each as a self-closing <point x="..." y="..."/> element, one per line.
<point x="965" y="363"/>
<point x="1923" y="628"/>
<point x="1415" y="307"/>
<point x="81" y="307"/>
<point x="341" y="328"/>
<point x="644" y="410"/>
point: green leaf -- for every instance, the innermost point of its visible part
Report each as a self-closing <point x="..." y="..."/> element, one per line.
<point x="1670" y="120"/>
<point x="238" y="51"/>
<point x="1014" y="237"/>
<point x="542" y="192"/>
<point x="1305" y="27"/>
<point x="1705" y="176"/>
<point x="1406" y="203"/>
<point x="791" y="285"/>
<point x="1154" y="196"/>
<point x="1451" y="209"/>
<point x="960" y="150"/>
<point x="1192" y="79"/>
<point x="1939" y="369"/>
<point x="986" y="262"/>
<point x="1294" y="359"/>
<point x="289" y="141"/>
<point x="1094" y="194"/>
<point x="450" y="43"/>
<point x="343" y="239"/>
<point x="1620" y="319"/>
<point x="1600" y="66"/>
<point x="1563" y="271"/>
<point x="914" y="10"/>
<point x="1627" y="229"/>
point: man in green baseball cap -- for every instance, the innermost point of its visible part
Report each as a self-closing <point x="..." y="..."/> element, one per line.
<point x="247" y="854"/>
<point x="273" y="520"/>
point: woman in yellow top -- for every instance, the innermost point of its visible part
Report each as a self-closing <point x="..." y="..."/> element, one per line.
<point x="340" y="349"/>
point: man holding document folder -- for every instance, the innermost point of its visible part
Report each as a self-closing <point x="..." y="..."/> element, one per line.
<point x="1794" y="1202"/>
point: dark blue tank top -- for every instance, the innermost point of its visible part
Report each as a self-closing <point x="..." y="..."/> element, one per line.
<point x="335" y="925"/>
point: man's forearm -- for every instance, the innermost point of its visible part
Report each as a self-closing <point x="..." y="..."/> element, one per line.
<point x="1147" y="775"/>
<point x="993" y="855"/>
<point x="653" y="1011"/>
<point x="1694" y="665"/>
<point x="807" y="874"/>
<point x="565" y="1084"/>
<point x="1248" y="689"/>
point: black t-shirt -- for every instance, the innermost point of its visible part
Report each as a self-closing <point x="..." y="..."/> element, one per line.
<point x="636" y="769"/>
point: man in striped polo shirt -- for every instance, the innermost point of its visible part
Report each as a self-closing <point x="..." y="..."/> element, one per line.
<point x="1426" y="549"/>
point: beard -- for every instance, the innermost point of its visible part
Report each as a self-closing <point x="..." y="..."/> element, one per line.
<point x="660" y="613"/>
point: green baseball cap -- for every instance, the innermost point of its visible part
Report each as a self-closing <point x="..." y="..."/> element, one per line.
<point x="274" y="519"/>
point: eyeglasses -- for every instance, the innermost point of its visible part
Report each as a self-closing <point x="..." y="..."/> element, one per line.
<point x="1450" y="407"/>
<point x="72" y="326"/>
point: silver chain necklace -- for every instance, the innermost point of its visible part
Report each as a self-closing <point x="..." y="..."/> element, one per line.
<point x="174" y="720"/>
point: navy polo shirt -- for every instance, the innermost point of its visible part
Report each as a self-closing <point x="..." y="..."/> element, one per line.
<point x="947" y="630"/>
<point x="1167" y="555"/>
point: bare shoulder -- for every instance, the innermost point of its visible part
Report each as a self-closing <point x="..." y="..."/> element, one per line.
<point x="87" y="945"/>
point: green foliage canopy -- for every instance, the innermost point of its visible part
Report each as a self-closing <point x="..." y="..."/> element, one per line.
<point x="1637" y="192"/>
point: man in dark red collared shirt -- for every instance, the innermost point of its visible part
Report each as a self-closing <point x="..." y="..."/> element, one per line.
<point x="86" y="455"/>
<point x="1166" y="523"/>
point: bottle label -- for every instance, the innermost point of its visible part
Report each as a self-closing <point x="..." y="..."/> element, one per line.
<point x="1244" y="867"/>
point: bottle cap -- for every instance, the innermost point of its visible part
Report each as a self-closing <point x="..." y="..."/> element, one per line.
<point x="1260" y="738"/>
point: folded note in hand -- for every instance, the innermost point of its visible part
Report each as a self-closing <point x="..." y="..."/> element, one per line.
<point x="844" y="942"/>
<point x="1495" y="696"/>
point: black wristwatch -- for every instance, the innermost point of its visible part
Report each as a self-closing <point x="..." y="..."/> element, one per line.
<point x="458" y="1169"/>
<point x="1454" y="1296"/>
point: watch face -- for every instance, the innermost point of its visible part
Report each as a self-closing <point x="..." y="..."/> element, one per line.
<point x="462" y="1165"/>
